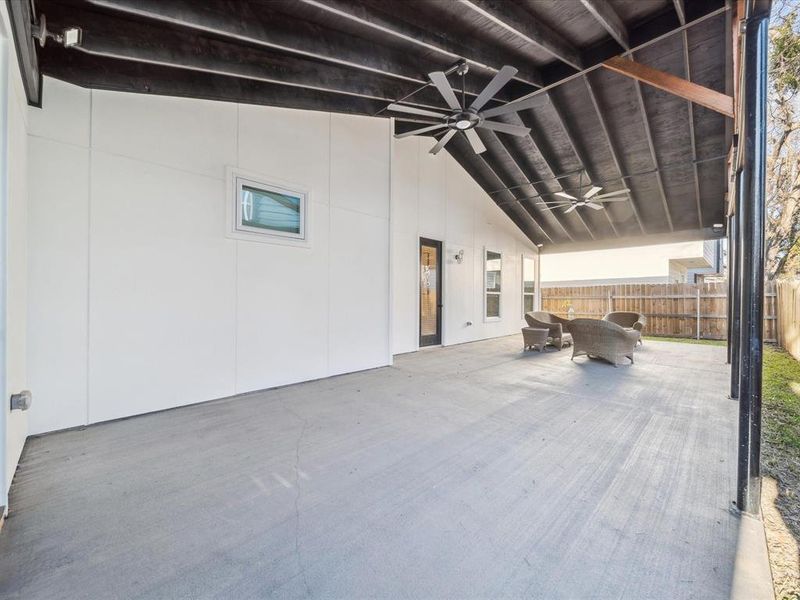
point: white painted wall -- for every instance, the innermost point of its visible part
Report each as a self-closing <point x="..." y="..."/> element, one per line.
<point x="433" y="197"/>
<point x="138" y="299"/>
<point x="14" y="197"/>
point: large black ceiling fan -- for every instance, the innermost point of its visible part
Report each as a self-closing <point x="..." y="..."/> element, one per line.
<point x="463" y="118"/>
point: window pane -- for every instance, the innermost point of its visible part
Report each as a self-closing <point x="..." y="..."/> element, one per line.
<point x="492" y="305"/>
<point x="528" y="301"/>
<point x="269" y="210"/>
<point x="493" y="271"/>
<point x="528" y="275"/>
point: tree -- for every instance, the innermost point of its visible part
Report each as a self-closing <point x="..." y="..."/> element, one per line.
<point x="783" y="142"/>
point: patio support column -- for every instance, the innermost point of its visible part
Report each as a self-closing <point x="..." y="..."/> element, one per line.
<point x="730" y="266"/>
<point x="751" y="229"/>
<point x="735" y="286"/>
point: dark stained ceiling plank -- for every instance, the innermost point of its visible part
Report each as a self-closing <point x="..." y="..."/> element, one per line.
<point x="614" y="154"/>
<point x="653" y="156"/>
<point x="722" y="103"/>
<point x="132" y="40"/>
<point x="103" y="73"/>
<point x="605" y="14"/>
<point x="522" y="24"/>
<point x="475" y="52"/>
<point x="516" y="159"/>
<point x="281" y="32"/>
<point x="579" y="152"/>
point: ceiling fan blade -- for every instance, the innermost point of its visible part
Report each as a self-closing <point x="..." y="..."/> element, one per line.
<point x="513" y="106"/>
<point x="551" y="208"/>
<point x="475" y="141"/>
<point x="592" y="191"/>
<point x="415" y="111"/>
<point x="607" y="194"/>
<point x="610" y="199"/>
<point x="418" y="131"/>
<point x="439" y="79"/>
<point x="518" y="130"/>
<point x="571" y="208"/>
<point x="445" y="138"/>
<point x="565" y="195"/>
<point x="594" y="206"/>
<point x="503" y="76"/>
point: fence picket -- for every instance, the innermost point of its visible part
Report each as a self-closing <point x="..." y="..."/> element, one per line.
<point x="681" y="309"/>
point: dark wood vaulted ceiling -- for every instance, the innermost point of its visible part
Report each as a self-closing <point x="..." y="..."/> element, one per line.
<point x="588" y="125"/>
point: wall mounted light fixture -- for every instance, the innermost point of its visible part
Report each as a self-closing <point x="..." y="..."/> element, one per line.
<point x="460" y="256"/>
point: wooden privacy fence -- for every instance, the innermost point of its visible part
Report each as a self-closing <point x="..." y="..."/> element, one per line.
<point x="672" y="309"/>
<point x="788" y="312"/>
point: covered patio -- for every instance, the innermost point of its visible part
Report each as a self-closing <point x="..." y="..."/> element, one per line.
<point x="265" y="271"/>
<point x="471" y="471"/>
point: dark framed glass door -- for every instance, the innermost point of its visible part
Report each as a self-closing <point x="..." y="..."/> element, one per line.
<point x="430" y="292"/>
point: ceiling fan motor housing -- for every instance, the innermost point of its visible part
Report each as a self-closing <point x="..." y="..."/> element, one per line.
<point x="463" y="120"/>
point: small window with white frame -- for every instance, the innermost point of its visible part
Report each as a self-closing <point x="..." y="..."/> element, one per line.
<point x="528" y="284"/>
<point x="493" y="269"/>
<point x="264" y="211"/>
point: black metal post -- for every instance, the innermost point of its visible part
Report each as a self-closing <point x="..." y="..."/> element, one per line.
<point x="729" y="266"/>
<point x="735" y="298"/>
<point x="751" y="225"/>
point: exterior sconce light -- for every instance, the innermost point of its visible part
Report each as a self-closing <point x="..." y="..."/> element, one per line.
<point x="71" y="36"/>
<point x="459" y="257"/>
<point x="717" y="227"/>
<point x="539" y="245"/>
<point x="21" y="401"/>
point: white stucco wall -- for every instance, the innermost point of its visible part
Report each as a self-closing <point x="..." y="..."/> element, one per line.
<point x="139" y="301"/>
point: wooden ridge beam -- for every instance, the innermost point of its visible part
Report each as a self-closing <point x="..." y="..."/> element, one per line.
<point x="711" y="99"/>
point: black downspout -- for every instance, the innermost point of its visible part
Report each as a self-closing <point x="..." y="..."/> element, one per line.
<point x="751" y="225"/>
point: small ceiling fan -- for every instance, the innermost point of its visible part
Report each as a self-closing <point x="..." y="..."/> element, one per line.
<point x="590" y="199"/>
<point x="461" y="117"/>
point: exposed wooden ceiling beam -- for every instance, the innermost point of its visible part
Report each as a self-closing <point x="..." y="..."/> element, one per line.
<point x="578" y="151"/>
<point x="605" y="14"/>
<point x="680" y="10"/>
<point x="520" y="150"/>
<point x="653" y="155"/>
<point x="131" y="40"/>
<point x="716" y="101"/>
<point x="552" y="165"/>
<point x="614" y="154"/>
<point x="272" y="29"/>
<point x="515" y="19"/>
<point x="688" y="73"/>
<point x="103" y="73"/>
<point x="476" y="52"/>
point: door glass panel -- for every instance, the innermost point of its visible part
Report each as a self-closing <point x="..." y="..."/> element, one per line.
<point x="428" y="290"/>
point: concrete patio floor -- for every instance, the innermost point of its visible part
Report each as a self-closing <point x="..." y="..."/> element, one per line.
<point x="474" y="471"/>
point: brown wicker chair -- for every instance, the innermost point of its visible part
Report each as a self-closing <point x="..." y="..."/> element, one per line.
<point x="557" y="336"/>
<point x="603" y="339"/>
<point x="628" y="320"/>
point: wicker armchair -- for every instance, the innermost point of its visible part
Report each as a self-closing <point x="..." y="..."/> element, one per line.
<point x="628" y="320"/>
<point x="555" y="325"/>
<point x="603" y="339"/>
